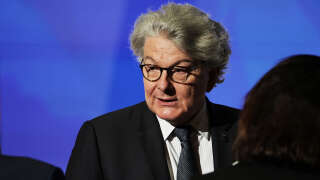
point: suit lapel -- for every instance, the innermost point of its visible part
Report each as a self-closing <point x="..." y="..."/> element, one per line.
<point x="154" y="145"/>
<point x="221" y="146"/>
<point x="222" y="135"/>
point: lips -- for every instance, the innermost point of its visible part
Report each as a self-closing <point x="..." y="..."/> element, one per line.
<point x="166" y="101"/>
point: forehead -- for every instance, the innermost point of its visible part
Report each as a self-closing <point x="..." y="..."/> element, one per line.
<point x="163" y="52"/>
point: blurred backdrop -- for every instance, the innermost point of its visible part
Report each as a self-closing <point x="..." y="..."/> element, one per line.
<point x="63" y="62"/>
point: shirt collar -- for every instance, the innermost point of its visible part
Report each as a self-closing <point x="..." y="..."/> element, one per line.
<point x="166" y="128"/>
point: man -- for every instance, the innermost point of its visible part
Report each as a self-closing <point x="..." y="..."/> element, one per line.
<point x="176" y="133"/>
<point x="22" y="168"/>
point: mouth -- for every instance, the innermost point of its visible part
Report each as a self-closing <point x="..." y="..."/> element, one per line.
<point x="167" y="101"/>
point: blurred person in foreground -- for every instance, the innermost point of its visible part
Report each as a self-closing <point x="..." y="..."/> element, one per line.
<point x="279" y="127"/>
<point x="23" y="168"/>
<point x="176" y="132"/>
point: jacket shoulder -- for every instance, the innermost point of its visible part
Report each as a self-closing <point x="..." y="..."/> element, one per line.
<point x="124" y="120"/>
<point x="222" y="114"/>
<point x="118" y="117"/>
<point x="227" y="109"/>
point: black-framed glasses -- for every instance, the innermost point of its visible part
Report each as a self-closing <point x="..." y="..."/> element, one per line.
<point x="179" y="74"/>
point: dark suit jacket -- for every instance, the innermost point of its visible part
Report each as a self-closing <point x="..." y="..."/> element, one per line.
<point x="262" y="171"/>
<point x="127" y="144"/>
<point x="21" y="168"/>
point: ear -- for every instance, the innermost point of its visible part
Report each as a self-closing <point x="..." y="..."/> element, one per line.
<point x="213" y="75"/>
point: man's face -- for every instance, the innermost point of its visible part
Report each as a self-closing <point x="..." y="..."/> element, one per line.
<point x="172" y="101"/>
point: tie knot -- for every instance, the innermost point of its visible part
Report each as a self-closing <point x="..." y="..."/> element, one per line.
<point x="183" y="133"/>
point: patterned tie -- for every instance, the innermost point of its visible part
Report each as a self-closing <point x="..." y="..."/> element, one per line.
<point x="186" y="166"/>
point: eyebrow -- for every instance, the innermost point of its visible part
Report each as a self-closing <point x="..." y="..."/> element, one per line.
<point x="178" y="62"/>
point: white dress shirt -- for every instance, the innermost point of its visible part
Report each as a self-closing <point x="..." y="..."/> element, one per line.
<point x="200" y="123"/>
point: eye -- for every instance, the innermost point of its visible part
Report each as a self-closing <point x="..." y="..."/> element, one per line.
<point x="150" y="67"/>
<point x="181" y="70"/>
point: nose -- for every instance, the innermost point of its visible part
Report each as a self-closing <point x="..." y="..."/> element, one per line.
<point x="163" y="82"/>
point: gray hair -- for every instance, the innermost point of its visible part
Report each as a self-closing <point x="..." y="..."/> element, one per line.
<point x="190" y="29"/>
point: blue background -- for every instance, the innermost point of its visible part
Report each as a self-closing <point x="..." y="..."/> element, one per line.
<point x="63" y="62"/>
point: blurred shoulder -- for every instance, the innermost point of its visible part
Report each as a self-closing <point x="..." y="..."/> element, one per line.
<point x="15" y="167"/>
<point x="261" y="171"/>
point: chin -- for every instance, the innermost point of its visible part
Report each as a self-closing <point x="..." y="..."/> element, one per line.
<point x="168" y="117"/>
<point x="174" y="119"/>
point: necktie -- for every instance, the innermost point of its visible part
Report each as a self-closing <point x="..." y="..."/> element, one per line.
<point x="186" y="166"/>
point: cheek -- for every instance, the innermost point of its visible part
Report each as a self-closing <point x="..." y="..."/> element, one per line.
<point x="191" y="95"/>
<point x="186" y="95"/>
<point x="148" y="89"/>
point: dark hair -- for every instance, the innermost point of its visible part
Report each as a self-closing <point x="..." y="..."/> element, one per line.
<point x="281" y="115"/>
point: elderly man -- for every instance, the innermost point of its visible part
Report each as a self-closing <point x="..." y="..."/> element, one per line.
<point x="176" y="133"/>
